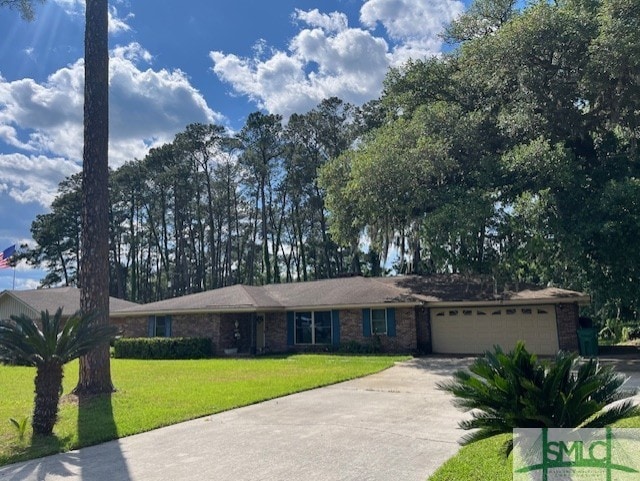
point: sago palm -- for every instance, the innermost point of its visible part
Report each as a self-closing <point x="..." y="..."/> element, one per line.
<point x="49" y="349"/>
<point x="516" y="390"/>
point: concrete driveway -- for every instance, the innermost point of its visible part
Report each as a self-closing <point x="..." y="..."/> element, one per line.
<point x="388" y="426"/>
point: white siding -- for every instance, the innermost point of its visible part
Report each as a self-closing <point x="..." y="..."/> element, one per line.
<point x="10" y="306"/>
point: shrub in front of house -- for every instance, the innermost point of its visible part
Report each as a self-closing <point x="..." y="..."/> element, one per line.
<point x="163" y="348"/>
<point x="354" y="347"/>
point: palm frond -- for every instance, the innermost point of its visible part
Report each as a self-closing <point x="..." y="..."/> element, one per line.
<point x="611" y="414"/>
<point x="516" y="390"/>
<point x="22" y="340"/>
<point x="80" y="335"/>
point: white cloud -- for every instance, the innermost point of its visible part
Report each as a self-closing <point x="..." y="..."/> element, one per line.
<point x="414" y="25"/>
<point x="149" y="107"/>
<point x="117" y="24"/>
<point x="25" y="283"/>
<point x="44" y="120"/>
<point x="78" y="7"/>
<point x="333" y="22"/>
<point x="33" y="178"/>
<point x="327" y="57"/>
<point x="410" y="19"/>
<point x="46" y="114"/>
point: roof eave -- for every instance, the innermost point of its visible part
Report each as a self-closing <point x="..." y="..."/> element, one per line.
<point x="580" y="300"/>
<point x="245" y="310"/>
<point x="180" y="312"/>
<point x="377" y="305"/>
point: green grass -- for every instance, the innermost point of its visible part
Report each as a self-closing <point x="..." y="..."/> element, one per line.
<point x="479" y="461"/>
<point x="483" y="460"/>
<point x="151" y="394"/>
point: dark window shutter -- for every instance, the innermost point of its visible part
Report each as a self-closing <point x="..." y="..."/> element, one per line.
<point x="391" y="322"/>
<point x="366" y="322"/>
<point x="335" y="327"/>
<point x="151" y="326"/>
<point x="290" y="328"/>
<point x="167" y="326"/>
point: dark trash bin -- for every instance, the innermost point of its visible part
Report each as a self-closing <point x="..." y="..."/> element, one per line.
<point x="588" y="341"/>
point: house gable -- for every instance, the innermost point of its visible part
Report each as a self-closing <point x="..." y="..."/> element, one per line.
<point x="11" y="305"/>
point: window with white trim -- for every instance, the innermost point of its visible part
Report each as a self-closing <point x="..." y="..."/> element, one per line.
<point x="378" y="321"/>
<point x="313" y="327"/>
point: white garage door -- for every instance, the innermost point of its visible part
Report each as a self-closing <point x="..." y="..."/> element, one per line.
<point x="475" y="330"/>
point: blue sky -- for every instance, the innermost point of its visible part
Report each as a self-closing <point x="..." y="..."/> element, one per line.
<point x="177" y="63"/>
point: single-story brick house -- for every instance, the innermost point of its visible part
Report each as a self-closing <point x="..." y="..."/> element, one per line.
<point x="439" y="314"/>
<point x="32" y="302"/>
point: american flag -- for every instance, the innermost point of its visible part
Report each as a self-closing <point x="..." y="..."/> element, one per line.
<point x="5" y="255"/>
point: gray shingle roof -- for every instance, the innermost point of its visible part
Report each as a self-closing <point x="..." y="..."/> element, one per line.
<point x="459" y="288"/>
<point x="66" y="297"/>
<point x="344" y="293"/>
<point x="237" y="297"/>
<point x="354" y="291"/>
<point x="348" y="291"/>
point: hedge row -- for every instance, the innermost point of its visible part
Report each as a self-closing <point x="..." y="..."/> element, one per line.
<point x="163" y="348"/>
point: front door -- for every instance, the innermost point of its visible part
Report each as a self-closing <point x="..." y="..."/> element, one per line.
<point x="260" y="341"/>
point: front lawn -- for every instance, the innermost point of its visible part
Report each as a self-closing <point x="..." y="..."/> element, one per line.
<point x="151" y="394"/>
<point x="482" y="460"/>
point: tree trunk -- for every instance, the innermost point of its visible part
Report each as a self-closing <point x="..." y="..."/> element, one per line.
<point x="95" y="368"/>
<point x="266" y="260"/>
<point x="323" y="232"/>
<point x="303" y="250"/>
<point x="45" y="410"/>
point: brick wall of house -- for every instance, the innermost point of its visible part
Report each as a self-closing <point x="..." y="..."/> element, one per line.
<point x="196" y="325"/>
<point x="404" y="341"/>
<point x="227" y="332"/>
<point x="567" y="321"/>
<point x="423" y="329"/>
<point x="220" y="328"/>
<point x="406" y="334"/>
<point x="351" y="326"/>
<point x="131" y="326"/>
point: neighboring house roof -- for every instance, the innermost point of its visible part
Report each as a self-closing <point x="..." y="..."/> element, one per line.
<point x="349" y="292"/>
<point x="34" y="301"/>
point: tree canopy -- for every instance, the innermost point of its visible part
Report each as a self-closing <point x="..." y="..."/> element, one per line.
<point x="513" y="156"/>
